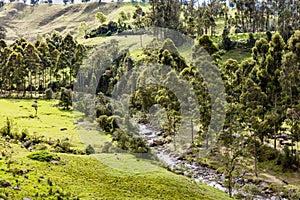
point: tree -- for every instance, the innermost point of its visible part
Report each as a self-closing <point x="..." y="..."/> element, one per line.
<point x="100" y="17"/>
<point x="32" y="62"/>
<point x="14" y="71"/>
<point x="66" y="59"/>
<point x="65" y="99"/>
<point x="89" y="150"/>
<point x="44" y="54"/>
<point x="253" y="99"/>
<point x="290" y="84"/>
<point x="227" y="44"/>
<point x="205" y="43"/>
<point x="4" y="55"/>
<point x="268" y="57"/>
<point x="232" y="158"/>
<point x="170" y="46"/>
<point x="272" y="72"/>
<point x="82" y="29"/>
<point x="165" y="14"/>
<point x="121" y="20"/>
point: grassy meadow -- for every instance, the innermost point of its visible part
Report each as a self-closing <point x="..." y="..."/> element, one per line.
<point x="74" y="176"/>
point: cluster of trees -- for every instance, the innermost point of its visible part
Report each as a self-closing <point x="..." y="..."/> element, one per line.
<point x="199" y="19"/>
<point x="279" y="15"/>
<point x="50" y="62"/>
<point x="164" y="53"/>
<point x="263" y="94"/>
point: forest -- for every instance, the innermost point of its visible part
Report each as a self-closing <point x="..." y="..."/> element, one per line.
<point x="235" y="109"/>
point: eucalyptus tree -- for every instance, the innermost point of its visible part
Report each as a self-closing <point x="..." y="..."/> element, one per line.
<point x="5" y="54"/>
<point x="20" y="72"/>
<point x="253" y="100"/>
<point x="65" y="61"/>
<point x="53" y="53"/>
<point x="268" y="57"/>
<point x="32" y="62"/>
<point x="44" y="54"/>
<point x="165" y="13"/>
<point x="14" y="72"/>
<point x="273" y="86"/>
<point x="228" y="72"/>
<point x="290" y="83"/>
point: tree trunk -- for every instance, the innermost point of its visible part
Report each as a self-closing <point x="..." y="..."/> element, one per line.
<point x="243" y="22"/>
<point x="275" y="134"/>
<point x="192" y="131"/>
<point x="229" y="184"/>
<point x="255" y="157"/>
<point x="24" y="88"/>
<point x="30" y="83"/>
<point x="50" y="76"/>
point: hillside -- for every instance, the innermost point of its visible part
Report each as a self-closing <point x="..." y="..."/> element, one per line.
<point x="77" y="176"/>
<point x="22" y="20"/>
<point x="212" y="96"/>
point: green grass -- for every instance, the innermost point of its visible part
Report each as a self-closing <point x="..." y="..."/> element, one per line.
<point x="98" y="176"/>
<point x="277" y="172"/>
<point x="87" y="178"/>
<point x="49" y="121"/>
<point x="237" y="54"/>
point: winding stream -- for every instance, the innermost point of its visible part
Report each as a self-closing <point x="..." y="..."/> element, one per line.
<point x="192" y="169"/>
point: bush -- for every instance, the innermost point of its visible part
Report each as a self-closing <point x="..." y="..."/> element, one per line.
<point x="63" y="146"/>
<point x="89" y="150"/>
<point x="265" y="153"/>
<point x="43" y="156"/>
<point x="251" y="40"/>
<point x="65" y="98"/>
<point x="49" y="93"/>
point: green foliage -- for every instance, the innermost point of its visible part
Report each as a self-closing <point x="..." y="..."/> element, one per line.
<point x="206" y="43"/>
<point x="100" y="17"/>
<point x="265" y="153"/>
<point x="7" y="130"/>
<point x="52" y="57"/>
<point x="89" y="150"/>
<point x="63" y="146"/>
<point x="227" y="43"/>
<point x="49" y="93"/>
<point x="170" y="46"/>
<point x="107" y="123"/>
<point x="65" y="99"/>
<point x="43" y="156"/>
<point x="251" y="40"/>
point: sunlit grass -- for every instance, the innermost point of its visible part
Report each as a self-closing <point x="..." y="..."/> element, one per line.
<point x="48" y="122"/>
<point x="98" y="176"/>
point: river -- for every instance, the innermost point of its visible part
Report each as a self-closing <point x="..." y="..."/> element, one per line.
<point x="192" y="169"/>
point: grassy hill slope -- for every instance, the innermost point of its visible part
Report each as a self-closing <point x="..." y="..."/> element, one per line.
<point x="101" y="176"/>
<point x="22" y="20"/>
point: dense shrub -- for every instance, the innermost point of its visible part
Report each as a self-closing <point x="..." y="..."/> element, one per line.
<point x="63" y="146"/>
<point x="43" y="156"/>
<point x="49" y="93"/>
<point x="65" y="99"/>
<point x="265" y="153"/>
<point x="288" y="160"/>
<point x="89" y="150"/>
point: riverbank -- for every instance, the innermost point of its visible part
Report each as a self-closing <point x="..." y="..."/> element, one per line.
<point x="177" y="164"/>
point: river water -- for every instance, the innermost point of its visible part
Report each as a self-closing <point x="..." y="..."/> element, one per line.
<point x="192" y="169"/>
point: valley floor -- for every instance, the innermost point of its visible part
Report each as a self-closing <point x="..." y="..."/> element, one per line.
<point x="80" y="176"/>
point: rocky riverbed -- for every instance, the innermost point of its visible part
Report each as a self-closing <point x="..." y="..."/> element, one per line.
<point x="194" y="170"/>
